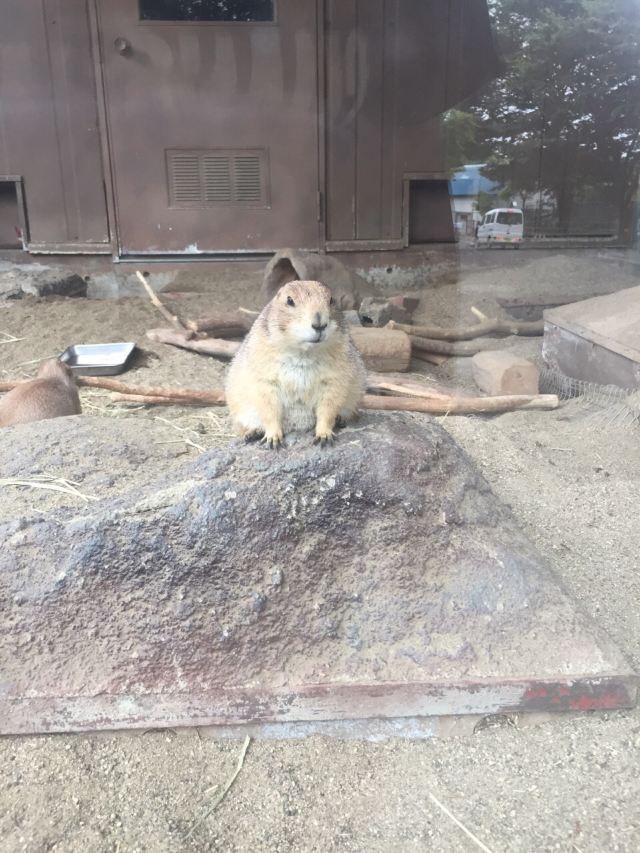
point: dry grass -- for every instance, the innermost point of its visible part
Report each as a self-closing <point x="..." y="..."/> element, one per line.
<point x="7" y="338"/>
<point x="53" y="484"/>
<point x="458" y="823"/>
<point x="225" y="790"/>
<point x="213" y="425"/>
<point x="209" y="425"/>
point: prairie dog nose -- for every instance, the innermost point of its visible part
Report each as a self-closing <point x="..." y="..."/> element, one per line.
<point x="318" y="325"/>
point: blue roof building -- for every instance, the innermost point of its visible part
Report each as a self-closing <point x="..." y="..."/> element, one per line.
<point x="469" y="181"/>
<point x="464" y="187"/>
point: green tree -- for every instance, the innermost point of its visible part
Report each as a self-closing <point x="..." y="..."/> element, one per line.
<point x="461" y="139"/>
<point x="565" y="118"/>
<point x="485" y="202"/>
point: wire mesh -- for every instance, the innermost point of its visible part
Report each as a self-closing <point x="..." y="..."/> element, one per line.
<point x="602" y="405"/>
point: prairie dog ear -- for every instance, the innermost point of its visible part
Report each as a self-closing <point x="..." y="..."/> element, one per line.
<point x="53" y="368"/>
<point x="49" y="367"/>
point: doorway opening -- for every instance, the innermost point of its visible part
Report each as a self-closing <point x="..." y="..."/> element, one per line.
<point x="11" y="219"/>
<point x="429" y="211"/>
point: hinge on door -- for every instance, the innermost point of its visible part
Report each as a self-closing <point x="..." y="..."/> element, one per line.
<point x="320" y="210"/>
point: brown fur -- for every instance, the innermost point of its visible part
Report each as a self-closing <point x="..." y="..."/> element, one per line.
<point x="52" y="394"/>
<point x="296" y="369"/>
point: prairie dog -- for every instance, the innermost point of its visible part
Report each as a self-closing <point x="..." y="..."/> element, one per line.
<point x="52" y="394"/>
<point x="296" y="369"/>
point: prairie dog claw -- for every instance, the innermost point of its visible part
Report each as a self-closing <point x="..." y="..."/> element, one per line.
<point x="325" y="440"/>
<point x="273" y="442"/>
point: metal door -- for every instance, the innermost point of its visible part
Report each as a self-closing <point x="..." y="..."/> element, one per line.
<point x="213" y="125"/>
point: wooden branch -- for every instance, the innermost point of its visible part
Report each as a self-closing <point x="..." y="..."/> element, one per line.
<point x="489" y="326"/>
<point x="375" y="382"/>
<point x="224" y="325"/>
<point x="478" y="314"/>
<point x="381" y="349"/>
<point x="183" y="395"/>
<point x="461" y="405"/>
<point x="161" y="401"/>
<point x="434" y="406"/>
<point x="141" y="392"/>
<point x="205" y="346"/>
<point x="440" y="405"/>
<point x="381" y="384"/>
<point x="429" y="357"/>
<point x="402" y="379"/>
<point x="172" y="318"/>
<point x="447" y="348"/>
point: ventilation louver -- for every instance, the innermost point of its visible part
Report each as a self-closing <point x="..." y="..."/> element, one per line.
<point x="210" y="177"/>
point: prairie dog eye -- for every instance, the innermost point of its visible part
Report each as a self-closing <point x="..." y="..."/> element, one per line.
<point x="290" y="302"/>
<point x="332" y="301"/>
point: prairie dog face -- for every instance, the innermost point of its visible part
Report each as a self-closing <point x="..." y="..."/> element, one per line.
<point x="303" y="313"/>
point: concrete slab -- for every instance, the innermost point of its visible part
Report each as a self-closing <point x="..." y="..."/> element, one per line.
<point x="381" y="579"/>
<point x="596" y="340"/>
<point x="388" y="271"/>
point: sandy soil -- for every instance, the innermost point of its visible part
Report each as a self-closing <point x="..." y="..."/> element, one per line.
<point x="569" y="784"/>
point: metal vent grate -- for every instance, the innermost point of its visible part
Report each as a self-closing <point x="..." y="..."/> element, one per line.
<point x="216" y="176"/>
<point x="248" y="183"/>
<point x="217" y="179"/>
<point x="185" y="178"/>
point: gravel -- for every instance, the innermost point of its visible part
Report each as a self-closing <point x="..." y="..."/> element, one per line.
<point x="567" y="783"/>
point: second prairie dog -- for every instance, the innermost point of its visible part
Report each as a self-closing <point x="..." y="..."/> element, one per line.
<point x="296" y="369"/>
<point x="52" y="394"/>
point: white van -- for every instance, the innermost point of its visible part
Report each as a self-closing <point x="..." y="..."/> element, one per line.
<point x="501" y="226"/>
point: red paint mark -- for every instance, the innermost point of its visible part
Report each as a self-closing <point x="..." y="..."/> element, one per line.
<point x="595" y="702"/>
<point x="538" y="692"/>
<point x="576" y="697"/>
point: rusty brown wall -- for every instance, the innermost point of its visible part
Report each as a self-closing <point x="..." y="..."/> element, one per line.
<point x="48" y="119"/>
<point x="392" y="67"/>
<point x="361" y="167"/>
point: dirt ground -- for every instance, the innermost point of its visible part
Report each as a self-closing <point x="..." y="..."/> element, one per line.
<point x="567" y="783"/>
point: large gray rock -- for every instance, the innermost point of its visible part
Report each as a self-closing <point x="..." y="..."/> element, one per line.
<point x="377" y="578"/>
<point x="40" y="281"/>
<point x="11" y="284"/>
<point x="378" y="311"/>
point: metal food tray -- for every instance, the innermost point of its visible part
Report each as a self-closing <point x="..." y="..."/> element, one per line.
<point x="97" y="359"/>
